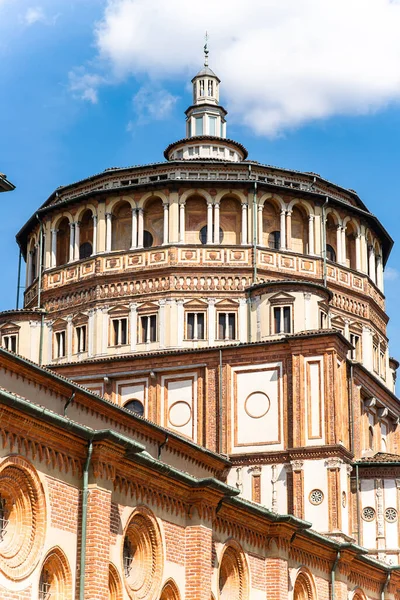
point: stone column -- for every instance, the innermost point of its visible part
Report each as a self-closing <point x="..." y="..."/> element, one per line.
<point x="182" y="223"/>
<point x="53" y="261"/>
<point x="133" y="325"/>
<point x="76" y="241"/>
<point x="90" y="333"/>
<point x="297" y="488"/>
<point x="364" y="253"/>
<point x="50" y="341"/>
<point x="339" y="244"/>
<point x="180" y="324"/>
<point x="311" y="234"/>
<point x="94" y="241"/>
<point x="283" y="230"/>
<point x="211" y="321"/>
<point x="344" y="251"/>
<point x="68" y="349"/>
<point x="140" y="227"/>
<point x="166" y="226"/>
<point x="104" y="330"/>
<point x="209" y="223"/>
<point x="242" y="320"/>
<point x="244" y="223"/>
<point x="29" y="269"/>
<point x="134" y="229"/>
<point x="71" y="241"/>
<point x="307" y="311"/>
<point x="289" y="229"/>
<point x="161" y="325"/>
<point x="216" y="223"/>
<point x="358" y="252"/>
<point x="260" y="209"/>
<point x="371" y="263"/>
<point x="367" y="353"/>
<point x="108" y="231"/>
<point x="379" y="272"/>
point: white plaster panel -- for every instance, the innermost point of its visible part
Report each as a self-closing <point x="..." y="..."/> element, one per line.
<point x="344" y="480"/>
<point x="179" y="403"/>
<point x="368" y="499"/>
<point x="256" y="408"/>
<point x="133" y="389"/>
<point x="390" y="501"/>
<point x="314" y="405"/>
<point x="315" y="477"/>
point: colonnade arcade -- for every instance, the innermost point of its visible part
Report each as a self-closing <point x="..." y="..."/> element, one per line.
<point x="197" y="217"/>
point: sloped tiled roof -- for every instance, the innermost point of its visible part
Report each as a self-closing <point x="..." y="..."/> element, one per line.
<point x="381" y="457"/>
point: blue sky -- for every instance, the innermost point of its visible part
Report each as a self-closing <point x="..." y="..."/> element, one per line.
<point x="89" y="84"/>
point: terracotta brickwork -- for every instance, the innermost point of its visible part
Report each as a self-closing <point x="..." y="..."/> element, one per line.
<point x="174" y="542"/>
<point x="258" y="572"/>
<point x="277" y="578"/>
<point x="64" y="505"/>
<point x="98" y="544"/>
<point x="198" y="555"/>
<point x="7" y="594"/>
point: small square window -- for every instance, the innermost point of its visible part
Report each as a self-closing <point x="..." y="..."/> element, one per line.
<point x="9" y="342"/>
<point x="80" y="333"/>
<point x="282" y="319"/>
<point x="195" y="326"/>
<point x="119" y="331"/>
<point x="226" y="326"/>
<point x="148" y="329"/>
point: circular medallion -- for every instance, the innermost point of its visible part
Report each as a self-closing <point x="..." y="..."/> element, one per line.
<point x="391" y="515"/>
<point x="257" y="405"/>
<point x="179" y="413"/>
<point x="316" y="497"/>
<point x="368" y="513"/>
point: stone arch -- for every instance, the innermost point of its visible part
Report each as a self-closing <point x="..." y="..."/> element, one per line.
<point x="309" y="209"/>
<point x="334" y="215"/>
<point x="299" y="228"/>
<point x="170" y="591"/>
<point x="23" y="517"/>
<point x="153" y="220"/>
<point x="230" y="219"/>
<point x="304" y="586"/>
<point x="351" y="233"/>
<point x="84" y="208"/>
<point x="235" y="193"/>
<point x="86" y="231"/>
<point x="114" y="584"/>
<point x="233" y="576"/>
<point x="121" y="225"/>
<point x="278" y="200"/>
<point x="357" y="594"/>
<point x="195" y="192"/>
<point x="55" y="576"/>
<point x="354" y="222"/>
<point x="116" y="200"/>
<point x="56" y="220"/>
<point x="142" y="555"/>
<point x="63" y="241"/>
<point x="331" y="226"/>
<point x="195" y="218"/>
<point x="150" y="196"/>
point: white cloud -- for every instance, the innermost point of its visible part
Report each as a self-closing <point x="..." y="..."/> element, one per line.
<point x="282" y="64"/>
<point x="150" y="104"/>
<point x="85" y="85"/>
<point x="391" y="274"/>
<point x="36" y="14"/>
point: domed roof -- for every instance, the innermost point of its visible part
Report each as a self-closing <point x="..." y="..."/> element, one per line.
<point x="206" y="71"/>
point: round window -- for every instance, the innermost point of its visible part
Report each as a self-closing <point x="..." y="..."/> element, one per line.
<point x="135" y="406"/>
<point x="368" y="513"/>
<point x="391" y="515"/>
<point x="316" y="497"/>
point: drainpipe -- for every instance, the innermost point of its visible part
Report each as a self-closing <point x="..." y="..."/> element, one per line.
<point x="255" y="233"/>
<point x="323" y="225"/>
<point x="85" y="494"/>
<point x="220" y="403"/>
<point x="333" y="574"/>
<point x="385" y="585"/>
<point x="19" y="278"/>
<point x="358" y="507"/>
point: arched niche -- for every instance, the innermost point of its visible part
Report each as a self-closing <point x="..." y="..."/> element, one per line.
<point x="351" y="235"/>
<point x="121" y="235"/>
<point x="304" y="587"/>
<point x="230" y="219"/>
<point x="114" y="584"/>
<point x="271" y="231"/>
<point x="153" y="222"/>
<point x="331" y="238"/>
<point x="170" y="591"/>
<point x="55" y="580"/>
<point x="63" y="240"/>
<point x="299" y="229"/>
<point x="233" y="577"/>
<point x="195" y="219"/>
<point x="86" y="234"/>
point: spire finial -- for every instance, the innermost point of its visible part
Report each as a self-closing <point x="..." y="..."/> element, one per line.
<point x="206" y="50"/>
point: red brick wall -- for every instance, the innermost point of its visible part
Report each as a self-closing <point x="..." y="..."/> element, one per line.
<point x="174" y="542"/>
<point x="277" y="579"/>
<point x="26" y="594"/>
<point x="198" y="549"/>
<point x="64" y="505"/>
<point x="115" y="522"/>
<point x="257" y="571"/>
<point x="98" y="544"/>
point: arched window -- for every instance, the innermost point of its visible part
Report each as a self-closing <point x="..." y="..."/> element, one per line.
<point x="330" y="253"/>
<point x="203" y="235"/>
<point x="63" y="242"/>
<point x="371" y="437"/>
<point x="274" y="240"/>
<point x="304" y="587"/>
<point x="85" y="250"/>
<point x="135" y="406"/>
<point x="55" y="578"/>
<point x="147" y="239"/>
<point x="233" y="574"/>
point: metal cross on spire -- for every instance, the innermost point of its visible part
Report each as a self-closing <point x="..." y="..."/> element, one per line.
<point x="206" y="50"/>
